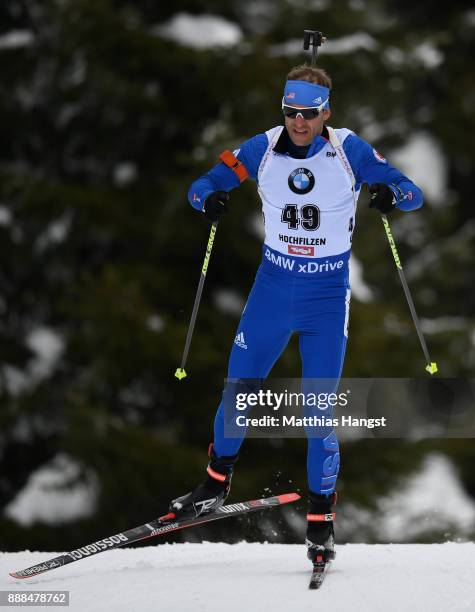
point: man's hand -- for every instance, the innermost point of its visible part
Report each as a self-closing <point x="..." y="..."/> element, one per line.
<point x="216" y="205"/>
<point x="382" y="198"/>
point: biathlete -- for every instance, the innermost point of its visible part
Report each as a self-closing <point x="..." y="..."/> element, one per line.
<point x="309" y="177"/>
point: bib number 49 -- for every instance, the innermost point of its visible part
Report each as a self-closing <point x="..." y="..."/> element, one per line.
<point x="308" y="216"/>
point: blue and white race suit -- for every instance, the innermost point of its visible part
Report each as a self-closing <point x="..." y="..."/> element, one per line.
<point x="302" y="285"/>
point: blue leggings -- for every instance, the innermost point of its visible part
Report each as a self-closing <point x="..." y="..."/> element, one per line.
<point x="280" y="304"/>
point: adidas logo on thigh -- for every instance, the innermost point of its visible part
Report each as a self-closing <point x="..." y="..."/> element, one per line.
<point x="239" y="340"/>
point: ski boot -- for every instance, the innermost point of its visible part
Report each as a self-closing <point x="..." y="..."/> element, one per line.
<point x="209" y="495"/>
<point x="320" y="538"/>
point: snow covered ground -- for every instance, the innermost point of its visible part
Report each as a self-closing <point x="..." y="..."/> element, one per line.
<point x="255" y="577"/>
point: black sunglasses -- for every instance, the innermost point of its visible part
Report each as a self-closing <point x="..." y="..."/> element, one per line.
<point x="305" y="113"/>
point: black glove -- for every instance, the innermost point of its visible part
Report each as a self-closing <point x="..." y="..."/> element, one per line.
<point x="216" y="205"/>
<point x="382" y="198"/>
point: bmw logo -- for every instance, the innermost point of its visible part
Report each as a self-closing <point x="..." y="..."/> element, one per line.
<point x="301" y="181"/>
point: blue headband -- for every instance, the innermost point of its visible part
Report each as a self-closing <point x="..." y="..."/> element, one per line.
<point x="304" y="93"/>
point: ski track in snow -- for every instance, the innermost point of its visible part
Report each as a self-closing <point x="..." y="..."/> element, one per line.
<point x="217" y="577"/>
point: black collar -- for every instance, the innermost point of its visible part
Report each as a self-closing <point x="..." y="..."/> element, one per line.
<point x="284" y="143"/>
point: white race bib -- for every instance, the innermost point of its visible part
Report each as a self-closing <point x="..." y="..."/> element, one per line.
<point x="308" y="204"/>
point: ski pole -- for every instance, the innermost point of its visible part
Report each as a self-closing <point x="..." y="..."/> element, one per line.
<point x="180" y="372"/>
<point x="431" y="365"/>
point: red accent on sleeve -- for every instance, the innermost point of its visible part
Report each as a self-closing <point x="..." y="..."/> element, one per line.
<point x="232" y="162"/>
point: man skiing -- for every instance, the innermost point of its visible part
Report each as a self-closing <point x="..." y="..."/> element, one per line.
<point x="309" y="177"/>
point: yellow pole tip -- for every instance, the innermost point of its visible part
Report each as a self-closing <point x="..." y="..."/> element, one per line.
<point x="432" y="368"/>
<point x="180" y="373"/>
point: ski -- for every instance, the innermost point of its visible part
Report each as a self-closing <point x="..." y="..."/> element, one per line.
<point x="320" y="569"/>
<point x="162" y="525"/>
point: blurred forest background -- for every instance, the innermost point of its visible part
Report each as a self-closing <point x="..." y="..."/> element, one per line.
<point x="108" y="110"/>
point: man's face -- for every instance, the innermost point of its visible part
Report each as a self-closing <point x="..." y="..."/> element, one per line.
<point x="303" y="131"/>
